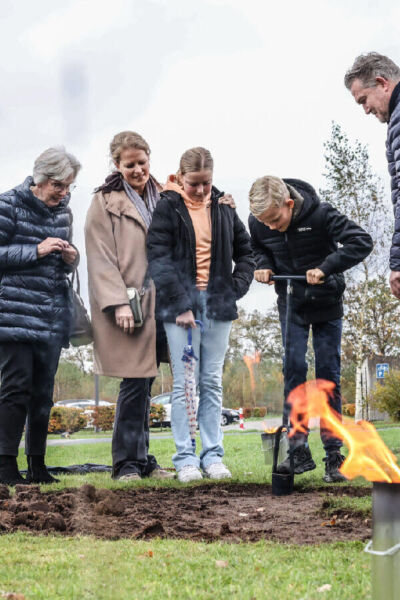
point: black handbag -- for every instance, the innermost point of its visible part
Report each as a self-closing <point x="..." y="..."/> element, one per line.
<point x="80" y="333"/>
<point x="135" y="300"/>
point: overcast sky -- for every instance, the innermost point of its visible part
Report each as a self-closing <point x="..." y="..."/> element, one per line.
<point x="256" y="82"/>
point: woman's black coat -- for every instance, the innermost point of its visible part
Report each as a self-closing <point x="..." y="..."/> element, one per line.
<point x="171" y="249"/>
<point x="34" y="292"/>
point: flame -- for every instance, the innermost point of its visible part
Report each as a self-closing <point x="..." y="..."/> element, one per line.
<point x="271" y="429"/>
<point x="368" y="455"/>
<point x="250" y="361"/>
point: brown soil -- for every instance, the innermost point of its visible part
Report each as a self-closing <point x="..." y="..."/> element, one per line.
<point x="227" y="512"/>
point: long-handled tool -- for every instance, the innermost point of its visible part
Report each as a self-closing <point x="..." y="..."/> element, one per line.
<point x="289" y="293"/>
<point x="189" y="358"/>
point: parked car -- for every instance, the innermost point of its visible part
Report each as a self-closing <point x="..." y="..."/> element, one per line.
<point x="228" y="415"/>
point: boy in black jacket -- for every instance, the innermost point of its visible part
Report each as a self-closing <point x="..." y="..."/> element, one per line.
<point x="294" y="233"/>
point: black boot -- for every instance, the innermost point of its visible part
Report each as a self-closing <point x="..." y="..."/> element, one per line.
<point x="302" y="461"/>
<point x="333" y="462"/>
<point x="37" y="470"/>
<point x="9" y="473"/>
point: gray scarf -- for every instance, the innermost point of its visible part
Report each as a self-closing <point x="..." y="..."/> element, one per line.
<point x="146" y="205"/>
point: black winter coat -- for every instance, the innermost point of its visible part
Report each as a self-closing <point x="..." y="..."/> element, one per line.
<point x="393" y="157"/>
<point x="311" y="242"/>
<point x="34" y="293"/>
<point x="171" y="250"/>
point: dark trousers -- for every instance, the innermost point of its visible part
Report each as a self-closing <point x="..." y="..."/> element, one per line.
<point x="131" y="435"/>
<point x="26" y="394"/>
<point x="326" y="343"/>
<point x="130" y="443"/>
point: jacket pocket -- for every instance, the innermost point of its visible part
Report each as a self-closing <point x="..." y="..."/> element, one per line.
<point x="327" y="293"/>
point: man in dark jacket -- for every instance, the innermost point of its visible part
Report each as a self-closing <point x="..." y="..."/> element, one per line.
<point x="294" y="233"/>
<point x="374" y="81"/>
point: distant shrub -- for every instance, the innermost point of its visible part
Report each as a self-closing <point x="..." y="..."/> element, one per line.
<point x="259" y="411"/>
<point x="349" y="410"/>
<point x="157" y="414"/>
<point x="103" y="417"/>
<point x="247" y="411"/>
<point x="66" y="419"/>
<point x="386" y="397"/>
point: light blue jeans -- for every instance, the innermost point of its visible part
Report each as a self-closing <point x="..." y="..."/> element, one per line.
<point x="210" y="348"/>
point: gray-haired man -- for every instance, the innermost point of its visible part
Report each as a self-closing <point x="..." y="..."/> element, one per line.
<point x="374" y="81"/>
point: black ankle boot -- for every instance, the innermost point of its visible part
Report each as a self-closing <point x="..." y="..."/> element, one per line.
<point x="9" y="473"/>
<point x="37" y="470"/>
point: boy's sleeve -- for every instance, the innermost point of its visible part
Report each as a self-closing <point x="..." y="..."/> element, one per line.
<point x="355" y="242"/>
<point x="263" y="256"/>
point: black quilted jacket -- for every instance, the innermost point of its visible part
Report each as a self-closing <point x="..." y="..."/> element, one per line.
<point x="171" y="250"/>
<point x="34" y="293"/>
<point x="393" y="157"/>
<point x="310" y="242"/>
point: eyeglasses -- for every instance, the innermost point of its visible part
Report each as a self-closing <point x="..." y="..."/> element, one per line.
<point x="58" y="186"/>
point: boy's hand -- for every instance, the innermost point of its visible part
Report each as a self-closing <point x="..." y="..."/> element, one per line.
<point x="395" y="283"/>
<point x="315" y="276"/>
<point x="264" y="276"/>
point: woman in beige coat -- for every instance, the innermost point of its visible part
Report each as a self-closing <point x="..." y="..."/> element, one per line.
<point x="116" y="229"/>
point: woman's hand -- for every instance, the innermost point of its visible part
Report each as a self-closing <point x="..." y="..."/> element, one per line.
<point x="264" y="276"/>
<point x="227" y="199"/>
<point x="186" y="320"/>
<point x="50" y="245"/>
<point x="315" y="276"/>
<point x="124" y="318"/>
<point x="69" y="254"/>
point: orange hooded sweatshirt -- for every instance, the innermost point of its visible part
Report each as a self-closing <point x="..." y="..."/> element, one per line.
<point x="200" y="214"/>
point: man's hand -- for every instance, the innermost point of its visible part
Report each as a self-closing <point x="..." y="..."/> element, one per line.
<point x="395" y="283"/>
<point x="227" y="199"/>
<point x="315" y="276"/>
<point x="124" y="318"/>
<point x="186" y="320"/>
<point x="69" y="254"/>
<point x="264" y="276"/>
<point x="50" y="245"/>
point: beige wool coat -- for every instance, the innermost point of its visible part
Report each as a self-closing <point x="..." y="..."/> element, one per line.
<point x="115" y="237"/>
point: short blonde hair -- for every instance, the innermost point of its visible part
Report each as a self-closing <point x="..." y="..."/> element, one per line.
<point x="267" y="192"/>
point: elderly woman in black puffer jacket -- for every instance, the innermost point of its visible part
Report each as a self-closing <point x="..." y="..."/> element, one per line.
<point x="36" y="256"/>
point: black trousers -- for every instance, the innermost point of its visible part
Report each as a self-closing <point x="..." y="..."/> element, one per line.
<point x="26" y="394"/>
<point x="131" y="435"/>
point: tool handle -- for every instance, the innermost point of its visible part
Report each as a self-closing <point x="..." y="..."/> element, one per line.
<point x="286" y="277"/>
<point x="200" y="324"/>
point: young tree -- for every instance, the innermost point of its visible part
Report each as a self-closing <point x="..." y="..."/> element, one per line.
<point x="353" y="188"/>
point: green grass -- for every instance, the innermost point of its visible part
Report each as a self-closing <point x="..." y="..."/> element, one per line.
<point x="84" y="568"/>
<point x="68" y="568"/>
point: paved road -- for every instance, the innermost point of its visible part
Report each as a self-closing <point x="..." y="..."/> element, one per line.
<point x="229" y="430"/>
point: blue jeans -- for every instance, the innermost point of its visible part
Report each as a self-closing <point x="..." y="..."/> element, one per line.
<point x="326" y="343"/>
<point x="210" y="347"/>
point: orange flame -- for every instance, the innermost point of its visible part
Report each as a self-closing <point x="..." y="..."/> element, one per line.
<point x="271" y="429"/>
<point x="250" y="361"/>
<point x="368" y="455"/>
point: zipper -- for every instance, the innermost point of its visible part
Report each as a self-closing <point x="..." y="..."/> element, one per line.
<point x="193" y="250"/>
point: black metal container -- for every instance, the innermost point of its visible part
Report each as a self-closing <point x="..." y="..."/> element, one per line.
<point x="385" y="544"/>
<point x="282" y="483"/>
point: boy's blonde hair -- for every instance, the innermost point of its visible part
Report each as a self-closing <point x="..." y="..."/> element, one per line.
<point x="267" y="192"/>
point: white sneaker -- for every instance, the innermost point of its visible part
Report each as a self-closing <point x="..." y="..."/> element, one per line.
<point x="189" y="473"/>
<point x="217" y="471"/>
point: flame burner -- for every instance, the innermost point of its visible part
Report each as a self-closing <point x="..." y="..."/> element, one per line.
<point x="385" y="544"/>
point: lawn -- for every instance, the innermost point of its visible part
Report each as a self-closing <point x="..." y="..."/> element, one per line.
<point x="70" y="568"/>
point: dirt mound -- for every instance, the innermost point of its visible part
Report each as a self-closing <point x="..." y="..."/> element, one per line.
<point x="228" y="512"/>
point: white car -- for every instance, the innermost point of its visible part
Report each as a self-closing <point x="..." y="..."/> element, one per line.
<point x="228" y="415"/>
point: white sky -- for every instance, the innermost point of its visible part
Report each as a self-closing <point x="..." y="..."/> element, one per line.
<point x="256" y="82"/>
